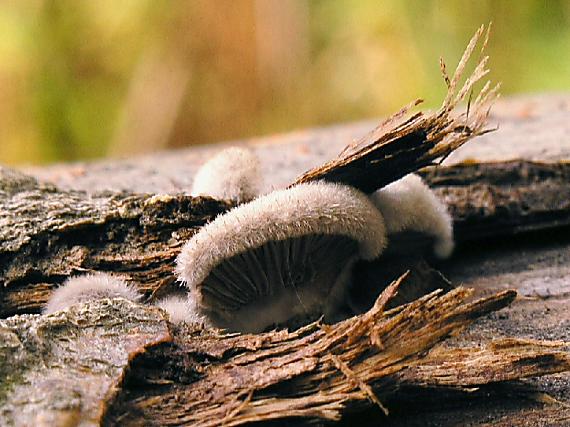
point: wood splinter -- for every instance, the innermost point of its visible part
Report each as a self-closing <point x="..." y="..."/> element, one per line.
<point x="320" y="373"/>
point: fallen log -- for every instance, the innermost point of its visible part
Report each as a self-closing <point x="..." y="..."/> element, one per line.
<point x="60" y="370"/>
<point x="49" y="234"/>
<point x="316" y="373"/>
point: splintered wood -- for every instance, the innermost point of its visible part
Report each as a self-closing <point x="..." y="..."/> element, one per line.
<point x="403" y="143"/>
<point x="322" y="372"/>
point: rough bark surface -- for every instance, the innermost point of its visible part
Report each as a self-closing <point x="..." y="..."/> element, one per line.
<point x="59" y="370"/>
<point x="47" y="235"/>
<point x="321" y="373"/>
<point x="503" y="198"/>
<point x="72" y="363"/>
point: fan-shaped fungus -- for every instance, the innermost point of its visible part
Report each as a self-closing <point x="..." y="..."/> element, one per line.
<point x="283" y="255"/>
<point x="409" y="205"/>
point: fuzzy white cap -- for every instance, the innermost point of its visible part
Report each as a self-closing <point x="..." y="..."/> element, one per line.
<point x="181" y="310"/>
<point x="89" y="287"/>
<point x="313" y="208"/>
<point x="410" y="205"/>
<point x="232" y="174"/>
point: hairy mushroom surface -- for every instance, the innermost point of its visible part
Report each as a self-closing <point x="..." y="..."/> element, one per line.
<point x="87" y="288"/>
<point x="180" y="310"/>
<point x="232" y="174"/>
<point x="283" y="256"/>
<point x="412" y="214"/>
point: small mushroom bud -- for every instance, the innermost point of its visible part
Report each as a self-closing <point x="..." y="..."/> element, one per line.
<point x="283" y="255"/>
<point x="89" y="287"/>
<point x="180" y="310"/>
<point x="409" y="205"/>
<point x="232" y="174"/>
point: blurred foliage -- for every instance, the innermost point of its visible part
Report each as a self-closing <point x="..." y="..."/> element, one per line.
<point x="85" y="79"/>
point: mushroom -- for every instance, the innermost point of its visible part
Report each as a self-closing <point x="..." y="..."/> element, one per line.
<point x="282" y="256"/>
<point x="180" y="310"/>
<point x="232" y="174"/>
<point x="412" y="213"/>
<point x="87" y="288"/>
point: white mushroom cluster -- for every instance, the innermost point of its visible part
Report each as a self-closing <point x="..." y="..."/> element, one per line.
<point x="281" y="256"/>
<point x="284" y="254"/>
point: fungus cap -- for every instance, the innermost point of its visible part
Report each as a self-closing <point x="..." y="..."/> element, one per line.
<point x="232" y="174"/>
<point x="280" y="254"/>
<point x="410" y="205"/>
<point x="89" y="287"/>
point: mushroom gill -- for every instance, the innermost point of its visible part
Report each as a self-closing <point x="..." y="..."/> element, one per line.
<point x="282" y="256"/>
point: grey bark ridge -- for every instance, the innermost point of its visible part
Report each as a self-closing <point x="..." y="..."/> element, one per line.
<point x="60" y="369"/>
<point x="530" y="127"/>
<point x="47" y="235"/>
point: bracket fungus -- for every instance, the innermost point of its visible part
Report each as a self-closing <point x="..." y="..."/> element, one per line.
<point x="283" y="255"/>
<point x="99" y="285"/>
<point x="286" y="257"/>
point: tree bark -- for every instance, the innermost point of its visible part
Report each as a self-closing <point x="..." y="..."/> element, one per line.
<point x="59" y="370"/>
<point x="48" y="235"/>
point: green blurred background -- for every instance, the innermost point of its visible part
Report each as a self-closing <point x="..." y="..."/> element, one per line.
<point x="84" y="79"/>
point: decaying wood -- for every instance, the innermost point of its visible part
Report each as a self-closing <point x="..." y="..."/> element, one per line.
<point x="499" y="360"/>
<point x="59" y="370"/>
<point x="320" y="372"/>
<point x="47" y="235"/>
<point x="69" y="366"/>
<point x="503" y="198"/>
